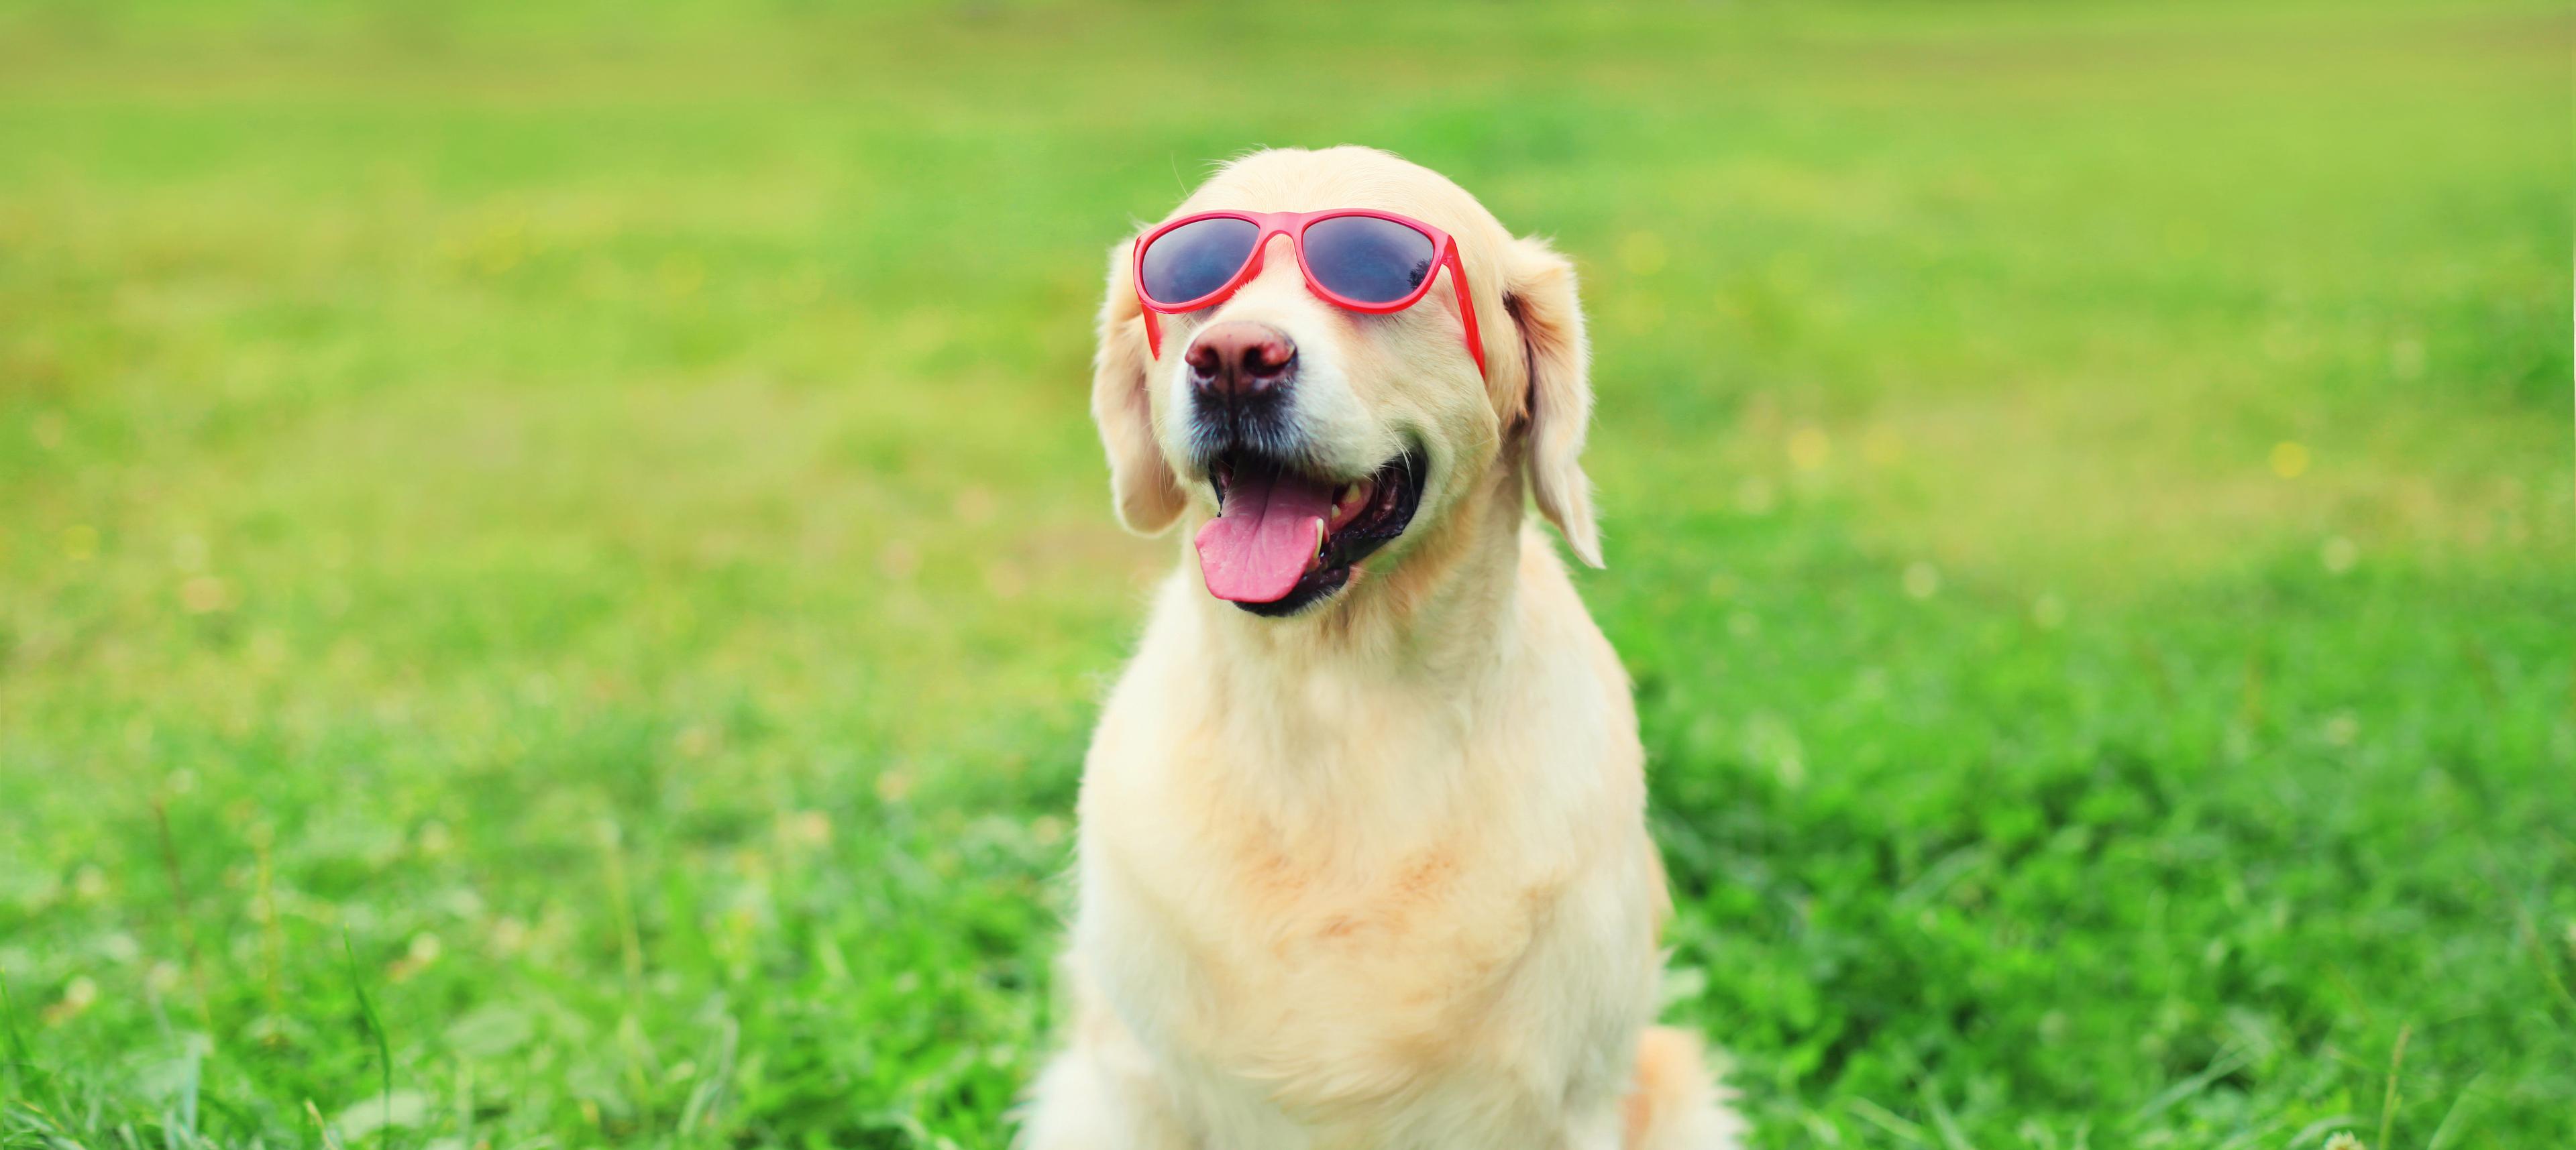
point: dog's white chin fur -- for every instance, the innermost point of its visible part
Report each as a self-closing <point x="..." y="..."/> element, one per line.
<point x="1378" y="875"/>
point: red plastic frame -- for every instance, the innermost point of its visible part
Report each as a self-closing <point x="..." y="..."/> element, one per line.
<point x="1293" y="225"/>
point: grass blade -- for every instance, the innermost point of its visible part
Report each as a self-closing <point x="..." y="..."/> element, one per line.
<point x="2396" y="1063"/>
<point x="375" y="1029"/>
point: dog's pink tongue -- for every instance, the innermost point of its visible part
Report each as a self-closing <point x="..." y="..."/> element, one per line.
<point x="1256" y="550"/>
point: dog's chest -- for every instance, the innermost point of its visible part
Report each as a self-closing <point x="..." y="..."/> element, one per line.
<point x="1339" y="977"/>
<point x="1336" y="985"/>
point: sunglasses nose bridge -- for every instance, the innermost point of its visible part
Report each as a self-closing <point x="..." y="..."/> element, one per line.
<point x="1277" y="249"/>
<point x="1274" y="274"/>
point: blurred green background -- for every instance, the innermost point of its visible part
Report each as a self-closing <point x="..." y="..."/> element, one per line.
<point x="554" y="573"/>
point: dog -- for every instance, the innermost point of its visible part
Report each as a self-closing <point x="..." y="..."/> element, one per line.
<point x="1363" y="859"/>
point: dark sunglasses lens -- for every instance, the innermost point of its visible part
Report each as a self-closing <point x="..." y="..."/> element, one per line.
<point x="1368" y="259"/>
<point x="1193" y="260"/>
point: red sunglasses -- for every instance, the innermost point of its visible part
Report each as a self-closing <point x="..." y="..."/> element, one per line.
<point x="1354" y="258"/>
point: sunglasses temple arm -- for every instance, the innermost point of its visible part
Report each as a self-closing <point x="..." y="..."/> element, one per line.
<point x="1153" y="330"/>
<point x="1466" y="308"/>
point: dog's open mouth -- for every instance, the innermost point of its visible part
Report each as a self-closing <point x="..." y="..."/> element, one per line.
<point x="1284" y="540"/>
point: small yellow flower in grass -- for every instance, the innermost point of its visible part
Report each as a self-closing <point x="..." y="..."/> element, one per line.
<point x="2343" y="1140"/>
<point x="509" y="935"/>
<point x="1810" y="449"/>
<point x="973" y="504"/>
<point x="894" y="784"/>
<point x="1922" y="580"/>
<point x="79" y="995"/>
<point x="1048" y="830"/>
<point x="1642" y="252"/>
<point x="807" y="828"/>
<point x="2339" y="555"/>
<point x="205" y="594"/>
<point x="2289" y="459"/>
<point x="1005" y="579"/>
<point x="420" y="955"/>
<point x="695" y="740"/>
<point x="898" y="560"/>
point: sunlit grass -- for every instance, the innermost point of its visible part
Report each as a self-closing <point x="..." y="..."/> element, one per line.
<point x="580" y="527"/>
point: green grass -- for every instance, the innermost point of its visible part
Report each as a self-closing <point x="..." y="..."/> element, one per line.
<point x="554" y="574"/>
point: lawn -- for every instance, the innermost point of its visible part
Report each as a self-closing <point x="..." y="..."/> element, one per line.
<point x="554" y="572"/>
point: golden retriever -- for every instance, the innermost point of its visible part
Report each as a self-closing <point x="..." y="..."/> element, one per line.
<point x="1363" y="856"/>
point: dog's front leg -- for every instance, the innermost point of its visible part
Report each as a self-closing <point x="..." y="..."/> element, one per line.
<point x="1080" y="1105"/>
<point x="1100" y="1094"/>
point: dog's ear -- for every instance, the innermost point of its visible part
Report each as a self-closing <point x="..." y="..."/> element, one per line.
<point x="1142" y="487"/>
<point x="1538" y="292"/>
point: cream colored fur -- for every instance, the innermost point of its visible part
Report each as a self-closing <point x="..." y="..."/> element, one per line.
<point x="1376" y="875"/>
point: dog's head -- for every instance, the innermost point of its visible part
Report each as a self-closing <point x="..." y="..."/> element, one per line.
<point x="1310" y="439"/>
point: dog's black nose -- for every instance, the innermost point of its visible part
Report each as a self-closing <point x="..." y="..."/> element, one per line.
<point x="1239" y="363"/>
